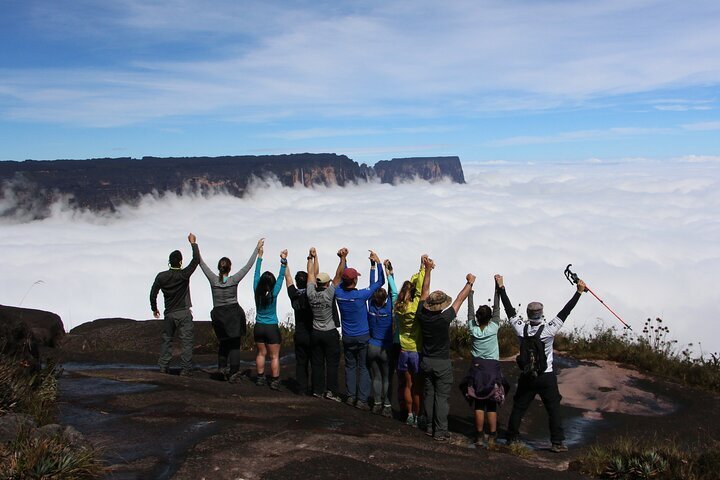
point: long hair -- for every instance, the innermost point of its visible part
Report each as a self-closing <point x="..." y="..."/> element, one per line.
<point x="407" y="293"/>
<point x="224" y="266"/>
<point x="483" y="315"/>
<point x="264" y="289"/>
<point x="379" y="297"/>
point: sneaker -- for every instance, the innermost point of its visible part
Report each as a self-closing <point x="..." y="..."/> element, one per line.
<point x="331" y="396"/>
<point x="317" y="395"/>
<point x="261" y="381"/>
<point x="558" y="447"/>
<point x="360" y="405"/>
<point x="186" y="373"/>
<point x="441" y="437"/>
<point x="350" y="401"/>
<point x="235" y="378"/>
<point x="411" y="420"/>
<point x="387" y="411"/>
<point x="377" y="409"/>
<point x="275" y="383"/>
<point x="491" y="440"/>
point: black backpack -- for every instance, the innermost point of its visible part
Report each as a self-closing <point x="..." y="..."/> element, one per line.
<point x="532" y="360"/>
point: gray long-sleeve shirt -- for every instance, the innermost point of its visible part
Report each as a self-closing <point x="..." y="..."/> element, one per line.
<point x="225" y="293"/>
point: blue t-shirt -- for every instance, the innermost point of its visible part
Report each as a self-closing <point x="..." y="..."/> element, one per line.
<point x="352" y="304"/>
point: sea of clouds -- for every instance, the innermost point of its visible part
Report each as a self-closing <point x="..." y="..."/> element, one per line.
<point x="644" y="234"/>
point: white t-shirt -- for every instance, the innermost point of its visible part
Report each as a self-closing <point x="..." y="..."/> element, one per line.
<point x="547" y="336"/>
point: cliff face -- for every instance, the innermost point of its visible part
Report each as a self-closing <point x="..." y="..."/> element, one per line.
<point x="103" y="184"/>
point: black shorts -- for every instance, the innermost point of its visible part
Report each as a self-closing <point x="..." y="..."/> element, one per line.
<point x="268" y="334"/>
<point x="488" y="405"/>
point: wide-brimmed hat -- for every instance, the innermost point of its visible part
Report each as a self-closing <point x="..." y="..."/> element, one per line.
<point x="437" y="301"/>
<point x="323" y="277"/>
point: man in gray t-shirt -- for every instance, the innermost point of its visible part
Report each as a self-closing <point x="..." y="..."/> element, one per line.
<point x="324" y="340"/>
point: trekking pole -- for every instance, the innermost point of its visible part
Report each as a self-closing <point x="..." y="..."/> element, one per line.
<point x="573" y="279"/>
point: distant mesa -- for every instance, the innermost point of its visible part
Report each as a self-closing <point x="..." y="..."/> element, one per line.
<point x="102" y="184"/>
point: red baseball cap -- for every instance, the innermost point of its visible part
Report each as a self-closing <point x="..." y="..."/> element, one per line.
<point x="350" y="274"/>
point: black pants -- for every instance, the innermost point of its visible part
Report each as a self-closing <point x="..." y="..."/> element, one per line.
<point x="546" y="386"/>
<point x="302" y="360"/>
<point x="325" y="351"/>
<point x="229" y="353"/>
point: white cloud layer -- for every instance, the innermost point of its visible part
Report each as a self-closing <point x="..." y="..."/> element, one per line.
<point x="642" y="233"/>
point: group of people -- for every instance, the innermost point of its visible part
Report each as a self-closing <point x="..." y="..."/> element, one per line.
<point x="383" y="331"/>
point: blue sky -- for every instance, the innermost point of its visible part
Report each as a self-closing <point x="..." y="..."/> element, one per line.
<point x="486" y="80"/>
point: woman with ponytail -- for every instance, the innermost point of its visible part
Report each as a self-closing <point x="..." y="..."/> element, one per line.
<point x="228" y="317"/>
<point x="267" y="333"/>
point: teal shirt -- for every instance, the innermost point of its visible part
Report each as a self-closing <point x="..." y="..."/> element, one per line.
<point x="484" y="340"/>
<point x="268" y="315"/>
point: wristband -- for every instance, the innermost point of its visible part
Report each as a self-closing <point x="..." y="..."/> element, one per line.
<point x="309" y="257"/>
<point x="283" y="261"/>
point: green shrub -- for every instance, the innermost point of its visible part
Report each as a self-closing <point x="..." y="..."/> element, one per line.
<point x="48" y="458"/>
<point x="24" y="392"/>
<point x="661" y="459"/>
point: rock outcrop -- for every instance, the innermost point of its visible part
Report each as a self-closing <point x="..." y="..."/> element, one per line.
<point x="30" y="187"/>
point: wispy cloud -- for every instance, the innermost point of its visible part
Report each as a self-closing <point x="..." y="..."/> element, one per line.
<point x="702" y="126"/>
<point x="449" y="58"/>
<point x="576" y="136"/>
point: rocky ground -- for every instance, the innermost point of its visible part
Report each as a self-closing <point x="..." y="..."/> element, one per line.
<point x="153" y="425"/>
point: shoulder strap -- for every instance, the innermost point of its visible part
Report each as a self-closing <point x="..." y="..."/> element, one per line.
<point x="538" y="333"/>
<point x="525" y="331"/>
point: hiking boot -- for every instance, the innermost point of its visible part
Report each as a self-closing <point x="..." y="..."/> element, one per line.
<point x="422" y="422"/>
<point x="491" y="440"/>
<point x="387" y="411"/>
<point x="235" y="378"/>
<point x="331" y="396"/>
<point x="360" y="405"/>
<point x="411" y="420"/>
<point x="558" y="447"/>
<point x="275" y="383"/>
<point x="376" y="409"/>
<point x="261" y="381"/>
<point x="441" y="437"/>
<point x="350" y="401"/>
<point x="186" y="373"/>
<point x="480" y="440"/>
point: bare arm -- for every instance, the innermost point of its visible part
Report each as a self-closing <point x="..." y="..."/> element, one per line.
<point x="425" y="291"/>
<point x="464" y="292"/>
<point x="311" y="263"/>
<point x="342" y="253"/>
<point x="288" y="277"/>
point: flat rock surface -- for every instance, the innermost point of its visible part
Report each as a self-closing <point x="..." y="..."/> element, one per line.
<point x="153" y="425"/>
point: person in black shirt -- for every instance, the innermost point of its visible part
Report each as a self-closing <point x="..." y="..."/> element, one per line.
<point x="175" y="285"/>
<point x="303" y="328"/>
<point x="435" y="313"/>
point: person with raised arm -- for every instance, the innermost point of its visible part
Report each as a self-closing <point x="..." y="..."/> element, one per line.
<point x="175" y="285"/>
<point x="228" y="317"/>
<point x="484" y="386"/>
<point x="435" y="313"/>
<point x="352" y="304"/>
<point x="380" y="322"/>
<point x="324" y="340"/>
<point x="408" y="364"/>
<point x="267" y="332"/>
<point x="303" y="328"/>
<point x="536" y="338"/>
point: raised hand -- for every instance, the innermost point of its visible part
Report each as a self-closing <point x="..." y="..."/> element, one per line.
<point x="312" y="253"/>
<point x="470" y="278"/>
<point x="388" y="265"/>
<point x="499" y="280"/>
<point x="374" y="257"/>
<point x="192" y="238"/>
<point x="343" y="252"/>
<point x="260" y="244"/>
<point x="284" y="254"/>
<point x="581" y="287"/>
